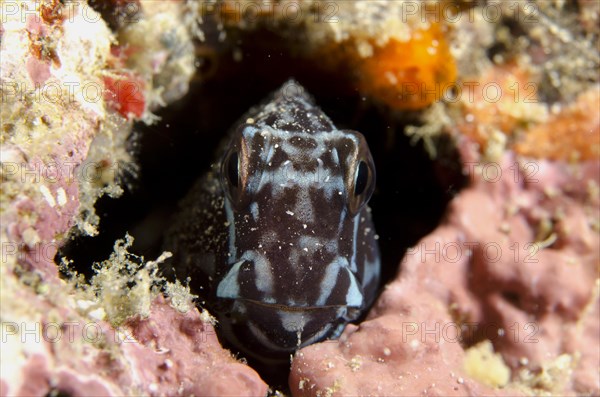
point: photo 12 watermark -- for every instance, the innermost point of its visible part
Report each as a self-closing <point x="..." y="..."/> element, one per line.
<point x="130" y="11"/>
<point x="71" y="332"/>
<point x="269" y="11"/>
<point x="53" y="91"/>
<point x="242" y="11"/>
<point x="454" y="12"/>
<point x="524" y="171"/>
<point x="64" y="171"/>
<point x="454" y="252"/>
<point x="454" y="332"/>
<point x="38" y="252"/>
<point x="466" y="92"/>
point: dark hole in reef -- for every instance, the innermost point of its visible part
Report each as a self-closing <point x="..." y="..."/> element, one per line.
<point x="513" y="298"/>
<point x="412" y="190"/>
<point x="117" y="14"/>
<point x="496" y="49"/>
<point x="58" y="393"/>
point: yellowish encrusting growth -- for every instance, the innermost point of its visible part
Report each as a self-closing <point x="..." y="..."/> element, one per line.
<point x="159" y="39"/>
<point x="552" y="378"/>
<point x="62" y="146"/>
<point x="125" y="285"/>
<point x="487" y="367"/>
<point x="52" y="107"/>
<point x="531" y="92"/>
<point x="102" y="172"/>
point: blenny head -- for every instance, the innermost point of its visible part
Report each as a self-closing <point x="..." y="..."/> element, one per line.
<point x="301" y="258"/>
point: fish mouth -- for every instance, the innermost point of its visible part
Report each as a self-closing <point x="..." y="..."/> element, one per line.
<point x="293" y="308"/>
<point x="338" y="287"/>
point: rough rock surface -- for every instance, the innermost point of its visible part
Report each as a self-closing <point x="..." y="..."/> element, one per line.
<point x="501" y="299"/>
<point x="180" y="355"/>
<point x="514" y="263"/>
<point x="70" y="95"/>
<point x="168" y="353"/>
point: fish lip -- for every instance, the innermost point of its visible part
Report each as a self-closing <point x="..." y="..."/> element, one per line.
<point x="229" y="288"/>
<point x="292" y="308"/>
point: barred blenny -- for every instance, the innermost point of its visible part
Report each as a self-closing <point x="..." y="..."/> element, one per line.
<point x="277" y="237"/>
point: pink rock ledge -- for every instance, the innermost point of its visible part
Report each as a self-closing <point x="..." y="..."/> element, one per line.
<point x="515" y="266"/>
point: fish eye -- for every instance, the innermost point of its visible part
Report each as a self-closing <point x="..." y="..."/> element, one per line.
<point x="361" y="179"/>
<point x="362" y="184"/>
<point x="232" y="169"/>
<point x="358" y="170"/>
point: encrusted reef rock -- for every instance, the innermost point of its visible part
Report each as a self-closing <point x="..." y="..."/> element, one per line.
<point x="71" y="89"/>
<point x="191" y="360"/>
<point x="504" y="293"/>
<point x="115" y="336"/>
<point x="70" y="94"/>
<point x="165" y="353"/>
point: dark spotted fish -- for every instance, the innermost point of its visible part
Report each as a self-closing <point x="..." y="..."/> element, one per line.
<point x="277" y="237"/>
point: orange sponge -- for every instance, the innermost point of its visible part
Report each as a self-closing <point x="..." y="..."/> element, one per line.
<point x="411" y="74"/>
<point x="572" y="134"/>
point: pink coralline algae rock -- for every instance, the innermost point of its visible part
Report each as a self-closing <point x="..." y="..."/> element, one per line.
<point x="67" y="109"/>
<point x="515" y="263"/>
<point x="168" y="353"/>
<point x="406" y="348"/>
<point x="47" y="129"/>
<point x="61" y="148"/>
<point x="181" y="355"/>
